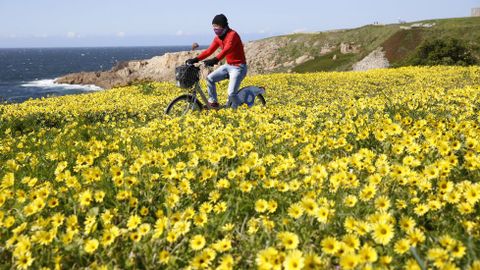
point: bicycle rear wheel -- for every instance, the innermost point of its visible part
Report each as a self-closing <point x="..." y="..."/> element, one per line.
<point x="182" y="104"/>
<point x="259" y="99"/>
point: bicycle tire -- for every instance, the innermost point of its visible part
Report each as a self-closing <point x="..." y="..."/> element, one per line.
<point x="261" y="99"/>
<point x="176" y="104"/>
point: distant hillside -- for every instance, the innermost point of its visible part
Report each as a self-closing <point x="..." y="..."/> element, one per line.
<point x="397" y="40"/>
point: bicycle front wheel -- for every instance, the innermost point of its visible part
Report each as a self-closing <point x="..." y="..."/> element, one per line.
<point x="181" y="105"/>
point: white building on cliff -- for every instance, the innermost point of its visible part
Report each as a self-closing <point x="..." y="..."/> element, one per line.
<point x="476" y="12"/>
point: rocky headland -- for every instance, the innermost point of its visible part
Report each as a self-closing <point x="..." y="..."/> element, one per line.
<point x="263" y="56"/>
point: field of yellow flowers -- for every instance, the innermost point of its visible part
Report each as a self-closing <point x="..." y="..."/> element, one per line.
<point x="354" y="170"/>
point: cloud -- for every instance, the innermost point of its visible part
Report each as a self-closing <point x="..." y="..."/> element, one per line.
<point x="180" y="33"/>
<point x="264" y="31"/>
<point x="301" y="30"/>
<point x="72" y="35"/>
<point x="121" y="34"/>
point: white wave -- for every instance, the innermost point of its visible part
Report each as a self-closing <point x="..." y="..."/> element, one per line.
<point x="50" y="83"/>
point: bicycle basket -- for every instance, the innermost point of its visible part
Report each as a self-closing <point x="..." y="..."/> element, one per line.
<point x="186" y="75"/>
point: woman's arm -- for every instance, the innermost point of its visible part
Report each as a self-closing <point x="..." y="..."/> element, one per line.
<point x="213" y="47"/>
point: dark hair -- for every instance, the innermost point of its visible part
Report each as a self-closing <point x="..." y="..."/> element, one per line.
<point x="221" y="20"/>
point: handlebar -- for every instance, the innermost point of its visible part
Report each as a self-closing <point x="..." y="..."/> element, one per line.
<point x="199" y="64"/>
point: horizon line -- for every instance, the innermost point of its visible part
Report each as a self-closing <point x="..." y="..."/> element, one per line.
<point x="100" y="46"/>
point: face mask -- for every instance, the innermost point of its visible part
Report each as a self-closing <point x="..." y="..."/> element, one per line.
<point x="220" y="31"/>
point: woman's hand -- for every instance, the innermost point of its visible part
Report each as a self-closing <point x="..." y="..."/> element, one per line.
<point x="211" y="62"/>
<point x="192" y="61"/>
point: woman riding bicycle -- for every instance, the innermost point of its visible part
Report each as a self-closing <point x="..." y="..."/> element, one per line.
<point x="235" y="68"/>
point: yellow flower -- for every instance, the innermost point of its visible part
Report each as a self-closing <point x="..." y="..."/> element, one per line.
<point x="265" y="259"/>
<point x="416" y="236"/>
<point x="200" y="219"/>
<point x="295" y="210"/>
<point x="351" y="241"/>
<point x="107" y="238"/>
<point x="164" y="257"/>
<point x="322" y="214"/>
<point x="135" y="236"/>
<point x="24" y="260"/>
<point x="200" y="261"/>
<point x="412" y="264"/>
<point x="294" y="260"/>
<point x="226" y="262"/>
<point x="220" y="207"/>
<point x="197" y="242"/>
<point x="144" y="229"/>
<point x="475" y="265"/>
<point x="288" y="239"/>
<point x="350" y="201"/>
<point x="447" y="241"/>
<point x="401" y="246"/>
<point x="458" y="250"/>
<point x="349" y="261"/>
<point x="272" y="206"/>
<point x="223" y="245"/>
<point x="367" y="254"/>
<point x="8" y="180"/>
<point x="310" y="206"/>
<point x="407" y="224"/>
<point x="367" y="193"/>
<point x="382" y="203"/>
<point x="228" y="227"/>
<point x="421" y="209"/>
<point x="85" y="198"/>
<point x="330" y="245"/>
<point x="91" y="245"/>
<point x="99" y="195"/>
<point x="472" y="194"/>
<point x="382" y="233"/>
<point x="133" y="222"/>
<point x="313" y="261"/>
<point x="437" y="254"/>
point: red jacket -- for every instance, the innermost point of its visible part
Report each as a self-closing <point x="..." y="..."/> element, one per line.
<point x="232" y="48"/>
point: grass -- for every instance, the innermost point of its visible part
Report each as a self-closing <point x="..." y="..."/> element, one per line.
<point x="325" y="63"/>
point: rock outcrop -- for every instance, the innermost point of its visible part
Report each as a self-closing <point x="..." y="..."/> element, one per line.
<point x="160" y="68"/>
<point x="263" y="55"/>
<point x="375" y="59"/>
<point x="349" y="48"/>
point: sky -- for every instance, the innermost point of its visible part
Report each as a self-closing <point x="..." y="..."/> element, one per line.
<point x="92" y="23"/>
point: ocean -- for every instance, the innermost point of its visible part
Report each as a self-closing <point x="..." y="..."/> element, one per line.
<point x="30" y="73"/>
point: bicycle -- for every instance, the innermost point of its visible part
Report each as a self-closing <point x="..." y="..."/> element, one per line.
<point x="188" y="77"/>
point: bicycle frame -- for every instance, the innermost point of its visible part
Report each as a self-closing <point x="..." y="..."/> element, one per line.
<point x="204" y="99"/>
